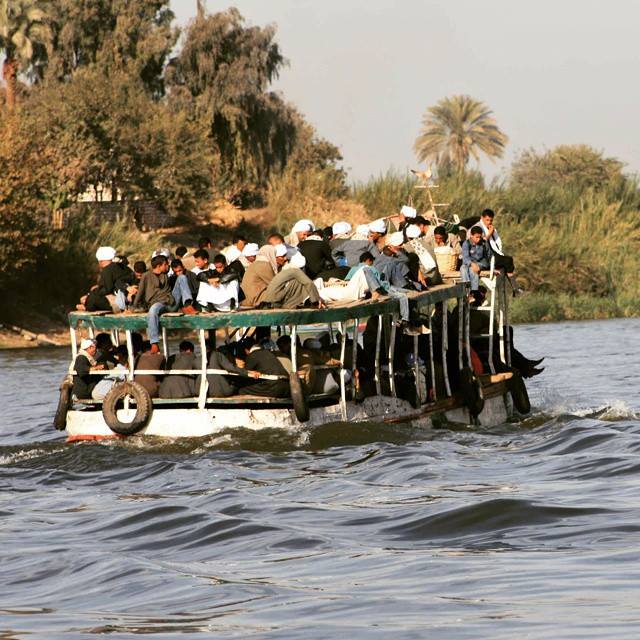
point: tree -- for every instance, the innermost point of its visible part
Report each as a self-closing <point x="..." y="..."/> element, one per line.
<point x="24" y="37"/>
<point x="457" y="128"/>
<point x="113" y="134"/>
<point x="118" y="36"/>
<point x="579" y="165"/>
<point x="223" y="72"/>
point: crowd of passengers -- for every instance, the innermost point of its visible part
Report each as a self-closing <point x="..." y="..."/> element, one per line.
<point x="310" y="267"/>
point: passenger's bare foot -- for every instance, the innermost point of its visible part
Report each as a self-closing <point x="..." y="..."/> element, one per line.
<point x="81" y="307"/>
<point x="154" y="348"/>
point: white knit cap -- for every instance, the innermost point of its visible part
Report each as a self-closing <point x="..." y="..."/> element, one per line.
<point x="341" y="227"/>
<point x="408" y="212"/>
<point x="362" y="229"/>
<point x="86" y="343"/>
<point x="378" y="226"/>
<point x="302" y="225"/>
<point x="281" y="250"/>
<point x="298" y="260"/>
<point x="105" y="253"/>
<point x="250" y="249"/>
<point x="413" y="231"/>
<point x="395" y="239"/>
<point x="233" y="253"/>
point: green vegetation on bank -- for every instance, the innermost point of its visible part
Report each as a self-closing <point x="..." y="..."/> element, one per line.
<point x="111" y="97"/>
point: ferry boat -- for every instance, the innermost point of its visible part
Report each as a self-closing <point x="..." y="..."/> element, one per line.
<point x="415" y="394"/>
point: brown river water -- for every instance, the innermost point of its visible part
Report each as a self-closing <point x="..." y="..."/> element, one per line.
<point x="526" y="530"/>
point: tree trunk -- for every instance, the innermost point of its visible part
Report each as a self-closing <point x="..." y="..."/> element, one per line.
<point x="10" y="76"/>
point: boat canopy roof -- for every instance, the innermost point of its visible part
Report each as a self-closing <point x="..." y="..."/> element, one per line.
<point x="267" y="317"/>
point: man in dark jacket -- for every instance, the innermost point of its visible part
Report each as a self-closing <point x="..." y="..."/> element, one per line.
<point x="109" y="294"/>
<point x="320" y="262"/>
<point x="85" y="363"/>
<point x="180" y="385"/>
<point x="264" y="361"/>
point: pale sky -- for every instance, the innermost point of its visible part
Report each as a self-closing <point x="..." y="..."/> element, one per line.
<point x="364" y="71"/>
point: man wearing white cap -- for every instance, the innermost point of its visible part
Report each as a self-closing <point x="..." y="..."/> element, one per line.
<point x="377" y="234"/>
<point x="393" y="263"/>
<point x="246" y="257"/>
<point x="261" y="272"/>
<point x="110" y="292"/>
<point x="415" y="244"/>
<point x="299" y="232"/>
<point x="85" y="363"/>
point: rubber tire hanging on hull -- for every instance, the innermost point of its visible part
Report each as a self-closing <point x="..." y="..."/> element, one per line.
<point x="519" y="393"/>
<point x="471" y="390"/>
<point x="64" y="404"/>
<point x="300" y="406"/>
<point x="144" y="408"/>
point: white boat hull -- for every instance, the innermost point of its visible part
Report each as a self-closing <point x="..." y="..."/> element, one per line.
<point x="168" y="422"/>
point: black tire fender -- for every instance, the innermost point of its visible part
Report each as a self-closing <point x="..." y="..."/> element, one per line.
<point x="64" y="404"/>
<point x="144" y="408"/>
<point x="300" y="406"/>
<point x="471" y="390"/>
<point x="519" y="394"/>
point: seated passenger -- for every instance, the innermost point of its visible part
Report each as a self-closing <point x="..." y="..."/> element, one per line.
<point x="319" y="259"/>
<point x="350" y="244"/>
<point x="393" y="263"/>
<point x="216" y="295"/>
<point x="156" y="295"/>
<point x="109" y="294"/>
<point x="178" y="270"/>
<point x="106" y="352"/>
<point x="292" y="288"/>
<point x="299" y="232"/>
<point x="426" y="271"/>
<point x="149" y="361"/>
<point x="234" y="250"/>
<point x="181" y="386"/>
<point x="201" y="258"/>
<point x="182" y="253"/>
<point x="377" y="237"/>
<point x="219" y="384"/>
<point x="364" y="260"/>
<point x="117" y="374"/>
<point x="364" y="282"/>
<point x="263" y="361"/>
<point x="219" y="263"/>
<point x="260" y="273"/>
<point x="83" y="381"/>
<point x="476" y="256"/>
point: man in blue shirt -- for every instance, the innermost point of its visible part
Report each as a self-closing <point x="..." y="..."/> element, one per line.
<point x="476" y="256"/>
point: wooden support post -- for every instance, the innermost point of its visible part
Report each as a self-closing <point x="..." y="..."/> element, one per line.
<point x="507" y="329"/>
<point x="294" y="348"/>
<point x="377" y="357"/>
<point x="432" y="364"/>
<point x="343" y="386"/>
<point x="92" y="332"/>
<point x="492" y="313"/>
<point x="460" y="332"/>
<point x="416" y="371"/>
<point x="467" y="332"/>
<point x="392" y="350"/>
<point x="445" y="348"/>
<point x="354" y="359"/>
<point x="202" y="396"/>
<point x="130" y="354"/>
<point x="165" y="343"/>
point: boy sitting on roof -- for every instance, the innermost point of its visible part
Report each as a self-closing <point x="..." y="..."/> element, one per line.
<point x="155" y="295"/>
<point x="476" y="256"/>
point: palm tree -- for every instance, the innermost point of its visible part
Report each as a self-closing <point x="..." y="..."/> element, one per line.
<point x="24" y="35"/>
<point x="457" y="128"/>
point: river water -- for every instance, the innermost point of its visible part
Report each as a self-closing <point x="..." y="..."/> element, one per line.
<point x="526" y="530"/>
